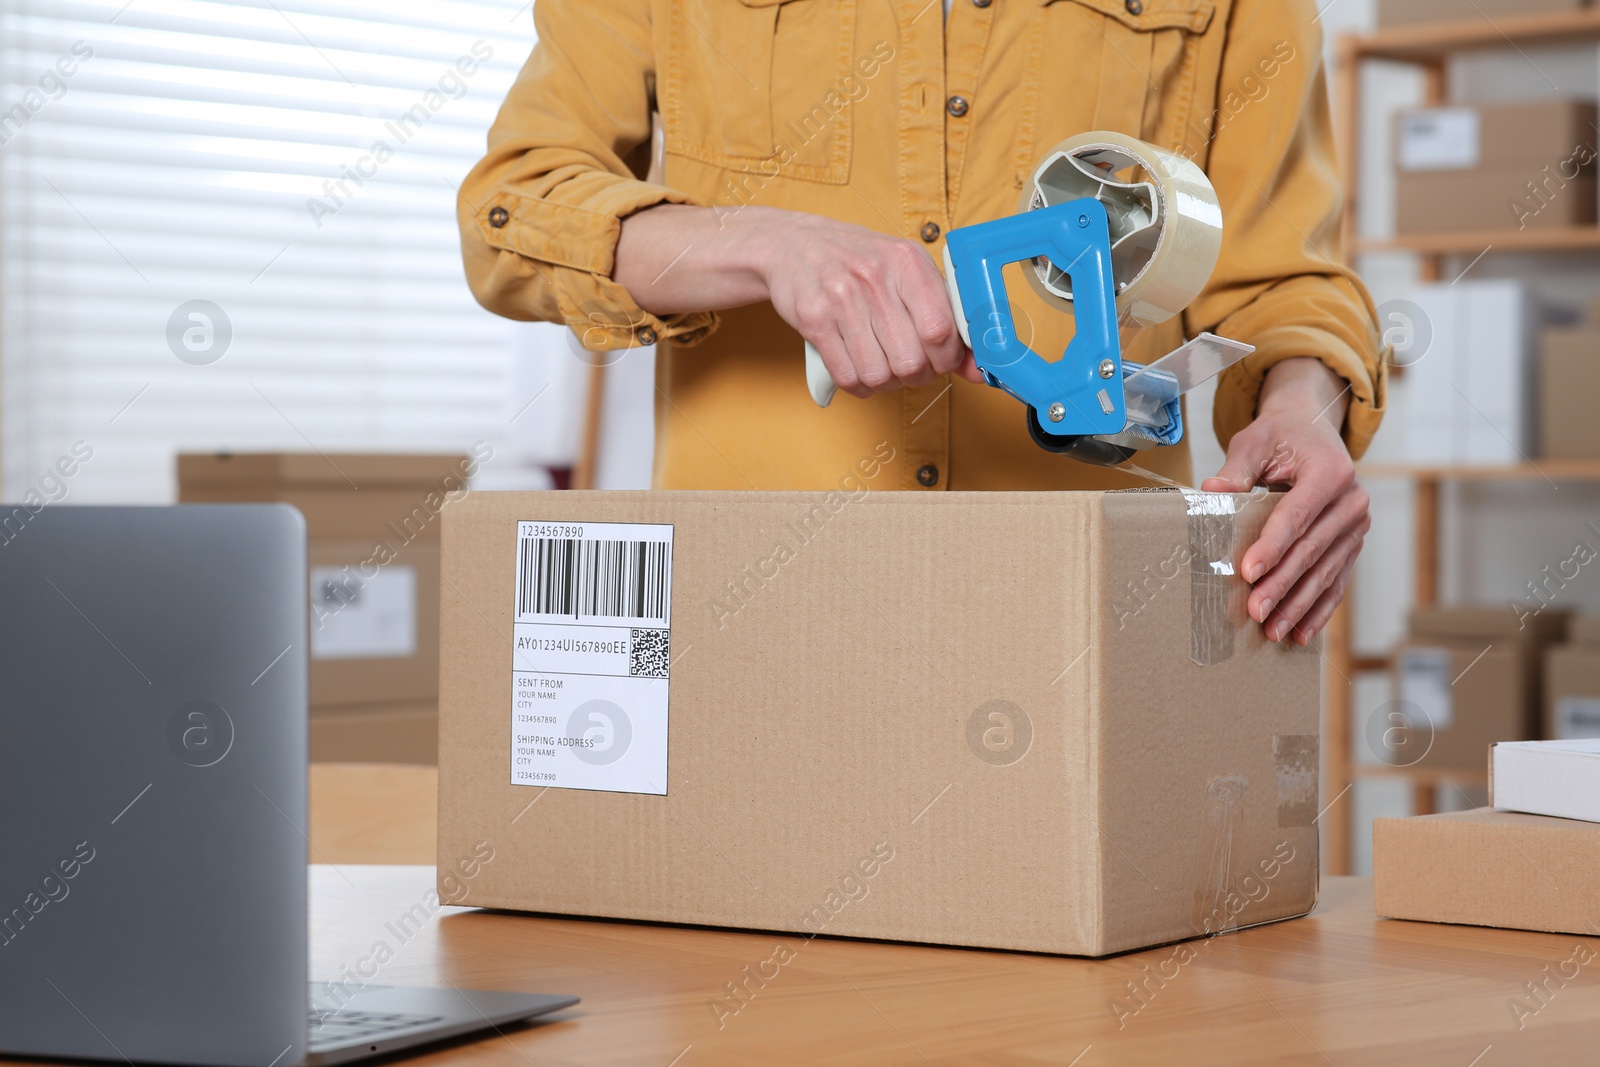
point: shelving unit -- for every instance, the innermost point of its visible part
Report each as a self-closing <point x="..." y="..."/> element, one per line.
<point x="1428" y="48"/>
<point x="1582" y="239"/>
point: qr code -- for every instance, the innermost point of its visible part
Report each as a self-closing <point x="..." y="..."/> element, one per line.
<point x="651" y="654"/>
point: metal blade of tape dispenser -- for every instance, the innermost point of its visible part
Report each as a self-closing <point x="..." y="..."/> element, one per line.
<point x="1150" y="389"/>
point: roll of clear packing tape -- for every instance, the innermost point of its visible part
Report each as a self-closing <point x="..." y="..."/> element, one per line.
<point x="1166" y="223"/>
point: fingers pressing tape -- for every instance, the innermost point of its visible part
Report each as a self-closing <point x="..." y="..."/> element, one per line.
<point x="1166" y="222"/>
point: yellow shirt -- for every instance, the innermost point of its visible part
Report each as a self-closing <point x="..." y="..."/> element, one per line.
<point x="884" y="114"/>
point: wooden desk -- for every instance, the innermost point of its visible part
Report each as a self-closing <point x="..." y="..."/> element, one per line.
<point x="1340" y="987"/>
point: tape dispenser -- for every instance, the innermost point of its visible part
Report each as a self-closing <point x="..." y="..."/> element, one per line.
<point x="1118" y="234"/>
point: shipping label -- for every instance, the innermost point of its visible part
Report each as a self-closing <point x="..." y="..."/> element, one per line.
<point x="591" y="656"/>
<point x="1425" y="681"/>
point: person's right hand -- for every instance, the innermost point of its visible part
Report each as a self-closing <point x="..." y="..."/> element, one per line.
<point x="875" y="307"/>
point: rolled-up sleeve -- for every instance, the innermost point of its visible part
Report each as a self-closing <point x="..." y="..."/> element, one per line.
<point x="1282" y="283"/>
<point x="540" y="215"/>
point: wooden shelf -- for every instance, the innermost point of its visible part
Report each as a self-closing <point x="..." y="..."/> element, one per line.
<point x="1555" y="470"/>
<point x="1437" y="41"/>
<point x="1575" y="239"/>
<point x="1428" y="49"/>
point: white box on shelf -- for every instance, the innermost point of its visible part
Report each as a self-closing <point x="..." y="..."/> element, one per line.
<point x="1430" y="400"/>
<point x="1470" y="396"/>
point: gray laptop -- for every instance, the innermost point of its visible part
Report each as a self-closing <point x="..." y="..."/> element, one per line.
<point x="153" y="801"/>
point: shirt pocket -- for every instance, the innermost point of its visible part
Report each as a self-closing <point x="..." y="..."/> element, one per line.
<point x="762" y="86"/>
<point x="1135" y="71"/>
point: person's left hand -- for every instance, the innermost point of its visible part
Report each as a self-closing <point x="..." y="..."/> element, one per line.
<point x="1301" y="565"/>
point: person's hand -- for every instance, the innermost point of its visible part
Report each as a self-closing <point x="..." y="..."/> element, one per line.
<point x="875" y="307"/>
<point x="1301" y="565"/>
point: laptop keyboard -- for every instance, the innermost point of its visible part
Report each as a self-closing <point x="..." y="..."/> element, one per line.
<point x="333" y="1029"/>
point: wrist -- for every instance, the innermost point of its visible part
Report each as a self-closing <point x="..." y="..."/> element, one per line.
<point x="752" y="241"/>
<point x="1304" y="386"/>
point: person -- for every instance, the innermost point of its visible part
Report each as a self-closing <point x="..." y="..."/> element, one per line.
<point x="812" y="155"/>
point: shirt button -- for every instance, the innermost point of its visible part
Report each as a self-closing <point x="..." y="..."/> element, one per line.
<point x="646" y="335"/>
<point x="498" y="217"/>
<point x="928" y="475"/>
<point x="930" y="232"/>
<point x="1135" y="7"/>
<point x="957" y="106"/>
<point x="981" y="3"/>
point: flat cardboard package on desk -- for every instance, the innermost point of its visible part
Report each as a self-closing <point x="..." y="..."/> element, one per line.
<point x="1488" y="868"/>
<point x="1035" y="721"/>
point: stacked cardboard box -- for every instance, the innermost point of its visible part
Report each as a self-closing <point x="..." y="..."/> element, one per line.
<point x="372" y="526"/>
<point x="1530" y="862"/>
<point x="1033" y="721"/>
<point x="1488" y="167"/>
<point x="1569" y="380"/>
<point x="1465" y="678"/>
<point x="1469" y="389"/>
<point x="1488" y="868"/>
<point x="1572" y="683"/>
<point x="1418" y="12"/>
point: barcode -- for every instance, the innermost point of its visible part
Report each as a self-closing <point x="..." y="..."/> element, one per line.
<point x="608" y="579"/>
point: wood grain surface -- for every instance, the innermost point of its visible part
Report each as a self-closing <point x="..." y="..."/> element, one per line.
<point x="1340" y="987"/>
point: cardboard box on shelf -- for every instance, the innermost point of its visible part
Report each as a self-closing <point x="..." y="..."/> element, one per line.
<point x="1517" y="166"/>
<point x="1488" y="868"/>
<point x="1418" y="12"/>
<point x="1491" y="200"/>
<point x="1569" y="378"/>
<point x="1034" y="721"/>
<point x="1465" y="678"/>
<point x="1469" y="394"/>
<point x="372" y="526"/>
<point x="1572" y="683"/>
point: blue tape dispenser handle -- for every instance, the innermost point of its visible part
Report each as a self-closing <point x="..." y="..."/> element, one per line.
<point x="1081" y="393"/>
<point x="1076" y="238"/>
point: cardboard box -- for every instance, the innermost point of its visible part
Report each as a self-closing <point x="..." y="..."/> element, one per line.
<point x="1519" y="166"/>
<point x="1418" y="12"/>
<point x="372" y="526"/>
<point x="1466" y="677"/>
<point x="1033" y="721"/>
<point x="1572" y="683"/>
<point x="1467" y="137"/>
<point x="344" y="497"/>
<point x="1569" y="379"/>
<point x="1470" y="395"/>
<point x="1491" y="200"/>
<point x="1488" y="868"/>
<point x="400" y="733"/>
